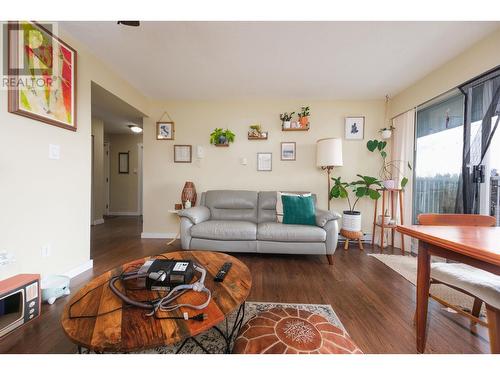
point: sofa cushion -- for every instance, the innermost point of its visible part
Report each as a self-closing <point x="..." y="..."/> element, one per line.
<point x="272" y="231"/>
<point x="225" y="230"/>
<point x="298" y="209"/>
<point x="240" y="205"/>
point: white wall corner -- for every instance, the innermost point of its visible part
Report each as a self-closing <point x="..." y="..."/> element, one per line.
<point x="158" y="235"/>
<point x="80" y="269"/>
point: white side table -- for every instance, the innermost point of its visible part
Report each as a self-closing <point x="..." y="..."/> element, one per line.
<point x="178" y="235"/>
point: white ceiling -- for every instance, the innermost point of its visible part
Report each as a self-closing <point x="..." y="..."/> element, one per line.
<point x="317" y="60"/>
<point x="116" y="114"/>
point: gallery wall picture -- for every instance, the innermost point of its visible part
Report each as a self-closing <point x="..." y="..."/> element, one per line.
<point x="182" y="153"/>
<point x="355" y="128"/>
<point x="264" y="161"/>
<point x="42" y="69"/>
<point x="165" y="130"/>
<point x="288" y="151"/>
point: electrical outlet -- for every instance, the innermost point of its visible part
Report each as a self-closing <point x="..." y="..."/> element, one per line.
<point x="45" y="252"/>
<point x="54" y="152"/>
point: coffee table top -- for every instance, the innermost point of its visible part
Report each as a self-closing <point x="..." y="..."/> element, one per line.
<point x="128" y="329"/>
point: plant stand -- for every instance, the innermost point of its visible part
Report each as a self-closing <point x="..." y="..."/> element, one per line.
<point x="392" y="196"/>
<point x="350" y="235"/>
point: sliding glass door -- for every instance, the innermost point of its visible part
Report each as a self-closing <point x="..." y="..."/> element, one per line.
<point x="439" y="133"/>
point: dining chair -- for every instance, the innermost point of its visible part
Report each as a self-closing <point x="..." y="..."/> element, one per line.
<point x="483" y="286"/>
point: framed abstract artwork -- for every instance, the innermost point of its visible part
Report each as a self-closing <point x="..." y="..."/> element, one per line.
<point x="264" y="161"/>
<point x="182" y="153"/>
<point x="355" y="128"/>
<point x="42" y="75"/>
<point x="165" y="131"/>
<point x="288" y="151"/>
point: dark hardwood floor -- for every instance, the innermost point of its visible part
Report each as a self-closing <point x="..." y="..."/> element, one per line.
<point x="375" y="304"/>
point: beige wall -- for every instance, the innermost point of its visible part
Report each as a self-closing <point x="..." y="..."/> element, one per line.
<point x="221" y="168"/>
<point x="123" y="188"/>
<point x="48" y="201"/>
<point x="98" y="193"/>
<point x="481" y="57"/>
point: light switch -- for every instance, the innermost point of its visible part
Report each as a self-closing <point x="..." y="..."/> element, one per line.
<point x="243" y="161"/>
<point x="54" y="152"/>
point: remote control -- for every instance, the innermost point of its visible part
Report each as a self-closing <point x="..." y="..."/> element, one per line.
<point x="223" y="272"/>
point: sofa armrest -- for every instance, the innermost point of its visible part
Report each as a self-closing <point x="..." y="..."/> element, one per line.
<point x="324" y="216"/>
<point x="197" y="214"/>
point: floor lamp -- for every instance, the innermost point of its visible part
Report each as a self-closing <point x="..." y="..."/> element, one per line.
<point x="329" y="155"/>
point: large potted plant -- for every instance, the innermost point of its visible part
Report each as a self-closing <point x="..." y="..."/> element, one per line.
<point x="221" y="137"/>
<point x="366" y="186"/>
<point x="388" y="166"/>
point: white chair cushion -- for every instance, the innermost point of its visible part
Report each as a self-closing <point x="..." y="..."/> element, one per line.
<point x="479" y="283"/>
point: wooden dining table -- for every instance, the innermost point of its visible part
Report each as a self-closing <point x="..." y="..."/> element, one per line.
<point x="476" y="246"/>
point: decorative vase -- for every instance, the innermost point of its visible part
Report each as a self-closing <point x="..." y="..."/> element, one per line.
<point x="304" y="120"/>
<point x="286" y="124"/>
<point x="384" y="219"/>
<point x="386" y="134"/>
<point x="389" y="184"/>
<point x="188" y="194"/>
<point x="351" y="221"/>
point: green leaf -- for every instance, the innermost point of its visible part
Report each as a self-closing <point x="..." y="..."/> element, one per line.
<point x="381" y="145"/>
<point x="384" y="154"/>
<point x="404" y="181"/>
<point x="374" y="194"/>
<point x="361" y="191"/>
<point x="372" y="145"/>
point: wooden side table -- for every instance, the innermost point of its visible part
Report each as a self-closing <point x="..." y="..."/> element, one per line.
<point x="392" y="196"/>
<point x="178" y="235"/>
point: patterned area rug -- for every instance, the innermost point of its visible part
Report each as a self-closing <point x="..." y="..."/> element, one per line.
<point x="214" y="343"/>
<point x="406" y="266"/>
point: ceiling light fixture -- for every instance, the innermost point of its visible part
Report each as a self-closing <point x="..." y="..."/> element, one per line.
<point x="135" y="129"/>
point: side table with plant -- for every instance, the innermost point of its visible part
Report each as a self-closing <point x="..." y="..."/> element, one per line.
<point x="365" y="187"/>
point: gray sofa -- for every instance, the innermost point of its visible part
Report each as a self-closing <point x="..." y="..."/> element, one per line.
<point x="245" y="221"/>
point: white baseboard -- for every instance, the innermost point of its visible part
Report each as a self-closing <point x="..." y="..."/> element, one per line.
<point x="80" y="269"/>
<point x="157" y="235"/>
<point x="124" y="213"/>
<point x="98" y="221"/>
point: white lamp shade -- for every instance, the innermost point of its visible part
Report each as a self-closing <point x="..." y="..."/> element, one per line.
<point x="329" y="152"/>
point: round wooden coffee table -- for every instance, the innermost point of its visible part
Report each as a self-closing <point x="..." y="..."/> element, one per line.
<point x="121" y="328"/>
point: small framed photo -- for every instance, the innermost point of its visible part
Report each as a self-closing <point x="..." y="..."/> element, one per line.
<point x="123" y="163"/>
<point x="182" y="153"/>
<point x="165" y="131"/>
<point x="355" y="128"/>
<point x="264" y="161"/>
<point x="288" y="151"/>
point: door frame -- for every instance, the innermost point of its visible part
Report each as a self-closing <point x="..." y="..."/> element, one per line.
<point x="107" y="177"/>
<point x="140" y="178"/>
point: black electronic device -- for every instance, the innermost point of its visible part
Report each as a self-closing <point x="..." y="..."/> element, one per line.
<point x="166" y="274"/>
<point x="223" y="272"/>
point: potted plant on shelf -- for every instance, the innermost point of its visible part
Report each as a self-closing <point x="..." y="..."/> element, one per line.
<point x="286" y="119"/>
<point x="256" y="132"/>
<point x="304" y="117"/>
<point x="386" y="133"/>
<point x="386" y="172"/>
<point x="221" y="137"/>
<point x="365" y="187"/>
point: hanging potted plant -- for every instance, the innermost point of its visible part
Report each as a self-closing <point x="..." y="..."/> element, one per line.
<point x="386" y="133"/>
<point x="304" y="117"/>
<point x="365" y="187"/>
<point x="221" y="137"/>
<point x="286" y="119"/>
<point x="386" y="172"/>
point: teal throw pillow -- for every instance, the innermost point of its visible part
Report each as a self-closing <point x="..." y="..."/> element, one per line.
<point x="298" y="210"/>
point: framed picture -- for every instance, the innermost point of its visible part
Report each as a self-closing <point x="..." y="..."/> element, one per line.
<point x="43" y="69"/>
<point x="123" y="162"/>
<point x="355" y="128"/>
<point x="288" y="151"/>
<point x="165" y="130"/>
<point x="182" y="153"/>
<point x="264" y="161"/>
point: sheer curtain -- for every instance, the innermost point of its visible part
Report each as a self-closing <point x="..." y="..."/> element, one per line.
<point x="402" y="150"/>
